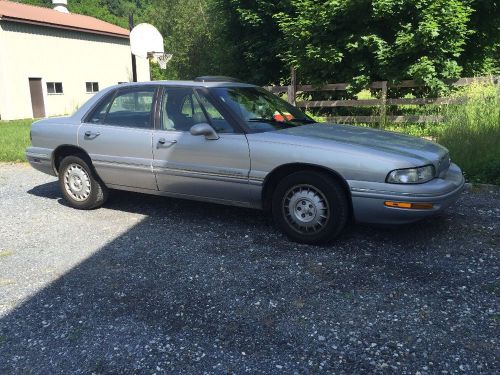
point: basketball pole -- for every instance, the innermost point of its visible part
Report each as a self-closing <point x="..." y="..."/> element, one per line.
<point x="134" y="65"/>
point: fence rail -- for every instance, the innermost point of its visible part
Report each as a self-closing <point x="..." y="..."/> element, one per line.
<point x="381" y="103"/>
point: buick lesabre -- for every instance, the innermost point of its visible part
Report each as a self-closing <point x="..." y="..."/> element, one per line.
<point x="234" y="143"/>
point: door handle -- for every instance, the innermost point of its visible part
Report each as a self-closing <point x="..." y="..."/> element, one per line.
<point x="163" y="141"/>
<point x="88" y="133"/>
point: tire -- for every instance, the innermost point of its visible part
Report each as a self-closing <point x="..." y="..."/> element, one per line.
<point x="80" y="185"/>
<point x="310" y="207"/>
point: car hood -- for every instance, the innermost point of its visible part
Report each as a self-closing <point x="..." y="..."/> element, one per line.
<point x="376" y="140"/>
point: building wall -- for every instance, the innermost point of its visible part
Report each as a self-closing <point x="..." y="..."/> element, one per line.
<point x="57" y="55"/>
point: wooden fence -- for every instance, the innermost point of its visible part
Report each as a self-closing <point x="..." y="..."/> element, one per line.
<point x="382" y="103"/>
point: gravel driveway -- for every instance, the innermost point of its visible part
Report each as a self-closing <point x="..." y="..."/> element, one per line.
<point x="157" y="285"/>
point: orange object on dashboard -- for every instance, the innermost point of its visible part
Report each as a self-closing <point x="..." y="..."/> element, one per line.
<point x="279" y="117"/>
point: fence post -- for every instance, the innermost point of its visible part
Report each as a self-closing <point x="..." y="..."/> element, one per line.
<point x="383" y="105"/>
<point x="292" y="88"/>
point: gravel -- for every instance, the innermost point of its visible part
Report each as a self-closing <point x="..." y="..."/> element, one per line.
<point x="156" y="285"/>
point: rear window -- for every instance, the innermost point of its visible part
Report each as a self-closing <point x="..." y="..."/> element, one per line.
<point x="130" y="108"/>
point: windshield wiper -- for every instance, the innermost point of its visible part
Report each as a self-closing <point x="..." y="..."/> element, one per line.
<point x="262" y="119"/>
<point x="304" y="120"/>
<point x="272" y="120"/>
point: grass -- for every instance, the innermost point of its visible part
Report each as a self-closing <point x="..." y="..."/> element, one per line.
<point x="14" y="138"/>
<point x="472" y="133"/>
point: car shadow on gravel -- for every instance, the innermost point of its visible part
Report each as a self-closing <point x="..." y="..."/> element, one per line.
<point x="152" y="205"/>
<point x="48" y="190"/>
<point x="198" y="287"/>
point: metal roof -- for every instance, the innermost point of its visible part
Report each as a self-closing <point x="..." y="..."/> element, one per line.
<point x="23" y="13"/>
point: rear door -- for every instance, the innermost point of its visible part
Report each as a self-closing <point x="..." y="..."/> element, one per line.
<point x="117" y="135"/>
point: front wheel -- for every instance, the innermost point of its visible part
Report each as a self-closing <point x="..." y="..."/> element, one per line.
<point x="310" y="207"/>
<point x="80" y="186"/>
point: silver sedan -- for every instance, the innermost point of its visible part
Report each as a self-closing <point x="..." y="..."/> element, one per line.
<point x="237" y="144"/>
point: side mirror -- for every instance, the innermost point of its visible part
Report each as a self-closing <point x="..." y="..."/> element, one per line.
<point x="204" y="129"/>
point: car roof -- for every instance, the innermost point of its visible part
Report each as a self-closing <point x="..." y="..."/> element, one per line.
<point x="186" y="84"/>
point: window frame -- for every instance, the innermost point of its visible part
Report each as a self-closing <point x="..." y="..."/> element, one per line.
<point x="54" y="85"/>
<point x="92" y="83"/>
<point x="161" y="97"/>
<point x="228" y="116"/>
<point x="110" y="97"/>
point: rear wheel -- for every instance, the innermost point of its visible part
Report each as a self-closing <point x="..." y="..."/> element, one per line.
<point x="79" y="184"/>
<point x="310" y="207"/>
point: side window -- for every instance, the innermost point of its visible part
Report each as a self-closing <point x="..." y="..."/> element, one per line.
<point x="131" y="108"/>
<point x="220" y="124"/>
<point x="99" y="112"/>
<point x="180" y="109"/>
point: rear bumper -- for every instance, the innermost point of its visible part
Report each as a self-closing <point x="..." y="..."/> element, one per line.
<point x="368" y="203"/>
<point x="41" y="160"/>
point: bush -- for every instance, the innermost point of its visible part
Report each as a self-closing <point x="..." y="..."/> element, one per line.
<point x="472" y="133"/>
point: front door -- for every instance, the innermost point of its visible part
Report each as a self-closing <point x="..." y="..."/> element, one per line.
<point x="194" y="166"/>
<point x="36" y="93"/>
<point x="117" y="135"/>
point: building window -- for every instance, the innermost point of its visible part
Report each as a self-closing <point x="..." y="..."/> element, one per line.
<point x="54" y="88"/>
<point x="92" y="86"/>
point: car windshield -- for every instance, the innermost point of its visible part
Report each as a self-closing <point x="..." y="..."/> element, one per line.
<point x="261" y="110"/>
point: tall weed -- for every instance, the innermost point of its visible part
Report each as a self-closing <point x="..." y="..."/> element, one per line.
<point x="471" y="132"/>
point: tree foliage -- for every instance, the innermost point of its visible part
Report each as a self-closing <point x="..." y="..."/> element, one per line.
<point x="353" y="41"/>
<point x="196" y="34"/>
<point x="362" y="40"/>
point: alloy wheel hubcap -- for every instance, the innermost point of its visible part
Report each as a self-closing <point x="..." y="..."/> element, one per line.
<point x="77" y="182"/>
<point x="306" y="209"/>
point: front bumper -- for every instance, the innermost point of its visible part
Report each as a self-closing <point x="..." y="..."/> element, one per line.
<point x="368" y="198"/>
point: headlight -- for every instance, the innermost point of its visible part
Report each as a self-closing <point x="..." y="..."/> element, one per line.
<point x="411" y="175"/>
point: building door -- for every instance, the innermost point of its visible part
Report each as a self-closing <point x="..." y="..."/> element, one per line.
<point x="37" y="97"/>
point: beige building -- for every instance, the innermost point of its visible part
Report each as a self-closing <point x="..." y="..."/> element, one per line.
<point x="51" y="61"/>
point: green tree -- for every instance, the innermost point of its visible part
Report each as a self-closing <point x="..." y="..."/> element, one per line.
<point x="362" y="40"/>
<point x="482" y="50"/>
<point x="195" y="32"/>
<point x="355" y="41"/>
<point x="256" y="38"/>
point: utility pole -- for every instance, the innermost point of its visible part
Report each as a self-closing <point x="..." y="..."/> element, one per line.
<point x="134" y="64"/>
